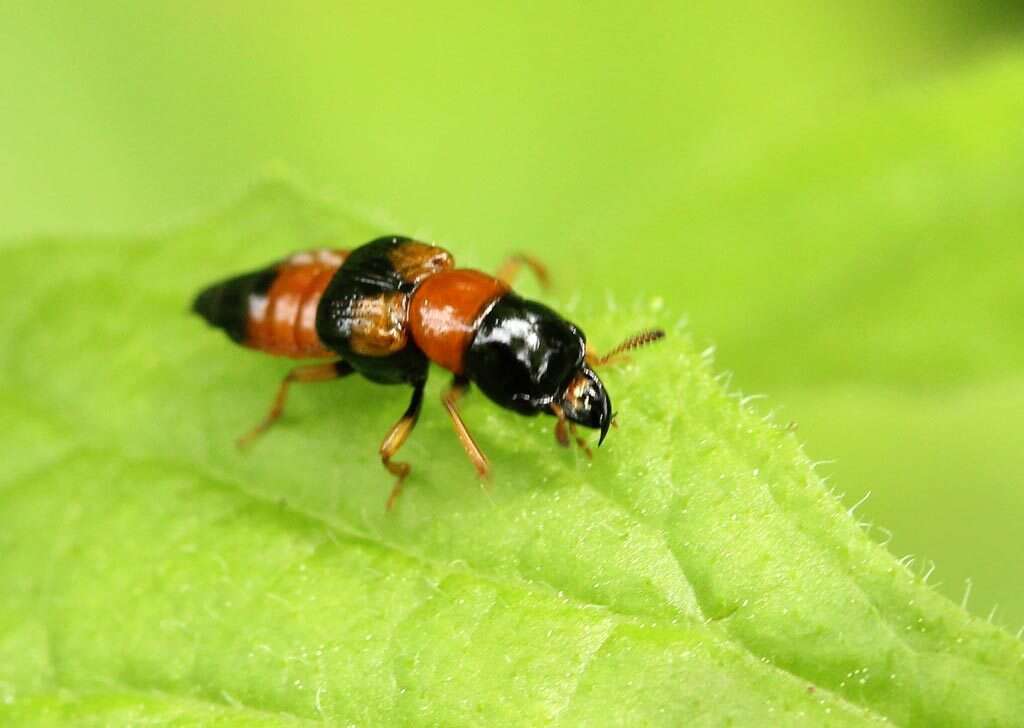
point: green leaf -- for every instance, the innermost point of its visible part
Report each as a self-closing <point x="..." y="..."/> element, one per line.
<point x="697" y="571"/>
<point x="834" y="203"/>
<point x="864" y="272"/>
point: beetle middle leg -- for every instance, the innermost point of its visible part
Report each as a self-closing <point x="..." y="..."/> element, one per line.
<point x="509" y="270"/>
<point x="394" y="440"/>
<point x="310" y="373"/>
<point x="450" y="397"/>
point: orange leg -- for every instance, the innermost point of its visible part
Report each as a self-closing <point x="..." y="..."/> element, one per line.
<point x="310" y="373"/>
<point x="450" y="398"/>
<point x="396" y="438"/>
<point x="561" y="430"/>
<point x="580" y="442"/>
<point x="509" y="270"/>
<point x="564" y="428"/>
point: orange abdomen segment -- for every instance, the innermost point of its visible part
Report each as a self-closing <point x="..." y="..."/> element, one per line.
<point x="283" y="321"/>
<point x="444" y="312"/>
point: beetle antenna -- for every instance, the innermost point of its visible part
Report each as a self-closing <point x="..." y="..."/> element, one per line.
<point x="633" y="342"/>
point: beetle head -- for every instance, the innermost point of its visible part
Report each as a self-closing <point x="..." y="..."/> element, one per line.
<point x="585" y="401"/>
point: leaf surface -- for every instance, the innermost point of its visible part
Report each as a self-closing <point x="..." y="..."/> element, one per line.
<point x="696" y="571"/>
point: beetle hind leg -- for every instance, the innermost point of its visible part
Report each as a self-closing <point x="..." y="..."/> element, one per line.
<point x="304" y="374"/>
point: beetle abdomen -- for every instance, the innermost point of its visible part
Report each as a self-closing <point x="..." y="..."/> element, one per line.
<point x="274" y="309"/>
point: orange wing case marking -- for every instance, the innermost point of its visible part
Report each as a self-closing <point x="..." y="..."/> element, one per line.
<point x="378" y="327"/>
<point x="415" y="261"/>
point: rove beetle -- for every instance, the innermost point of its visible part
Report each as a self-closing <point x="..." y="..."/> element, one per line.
<point x="388" y="308"/>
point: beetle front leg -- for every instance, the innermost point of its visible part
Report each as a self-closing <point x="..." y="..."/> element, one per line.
<point x="450" y="398"/>
<point x="564" y="428"/>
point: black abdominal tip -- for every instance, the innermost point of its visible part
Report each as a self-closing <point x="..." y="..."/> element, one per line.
<point x="203" y="304"/>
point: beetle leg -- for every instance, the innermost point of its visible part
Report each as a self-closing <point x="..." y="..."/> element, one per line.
<point x="396" y="438"/>
<point x="311" y="373"/>
<point x="509" y="270"/>
<point x="564" y="428"/>
<point x="580" y="441"/>
<point x="450" y="397"/>
<point x="561" y="432"/>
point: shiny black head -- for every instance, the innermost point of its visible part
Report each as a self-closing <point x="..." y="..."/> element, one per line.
<point x="585" y="401"/>
<point x="527" y="358"/>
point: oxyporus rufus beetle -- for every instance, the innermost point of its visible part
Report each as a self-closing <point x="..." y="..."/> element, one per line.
<point x="386" y="309"/>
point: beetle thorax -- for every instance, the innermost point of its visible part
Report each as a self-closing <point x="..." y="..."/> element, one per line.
<point x="445" y="311"/>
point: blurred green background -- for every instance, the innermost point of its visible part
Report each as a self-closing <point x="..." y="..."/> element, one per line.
<point x="830" y="192"/>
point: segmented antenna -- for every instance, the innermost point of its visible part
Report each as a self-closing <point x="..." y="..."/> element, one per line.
<point x="633" y="342"/>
